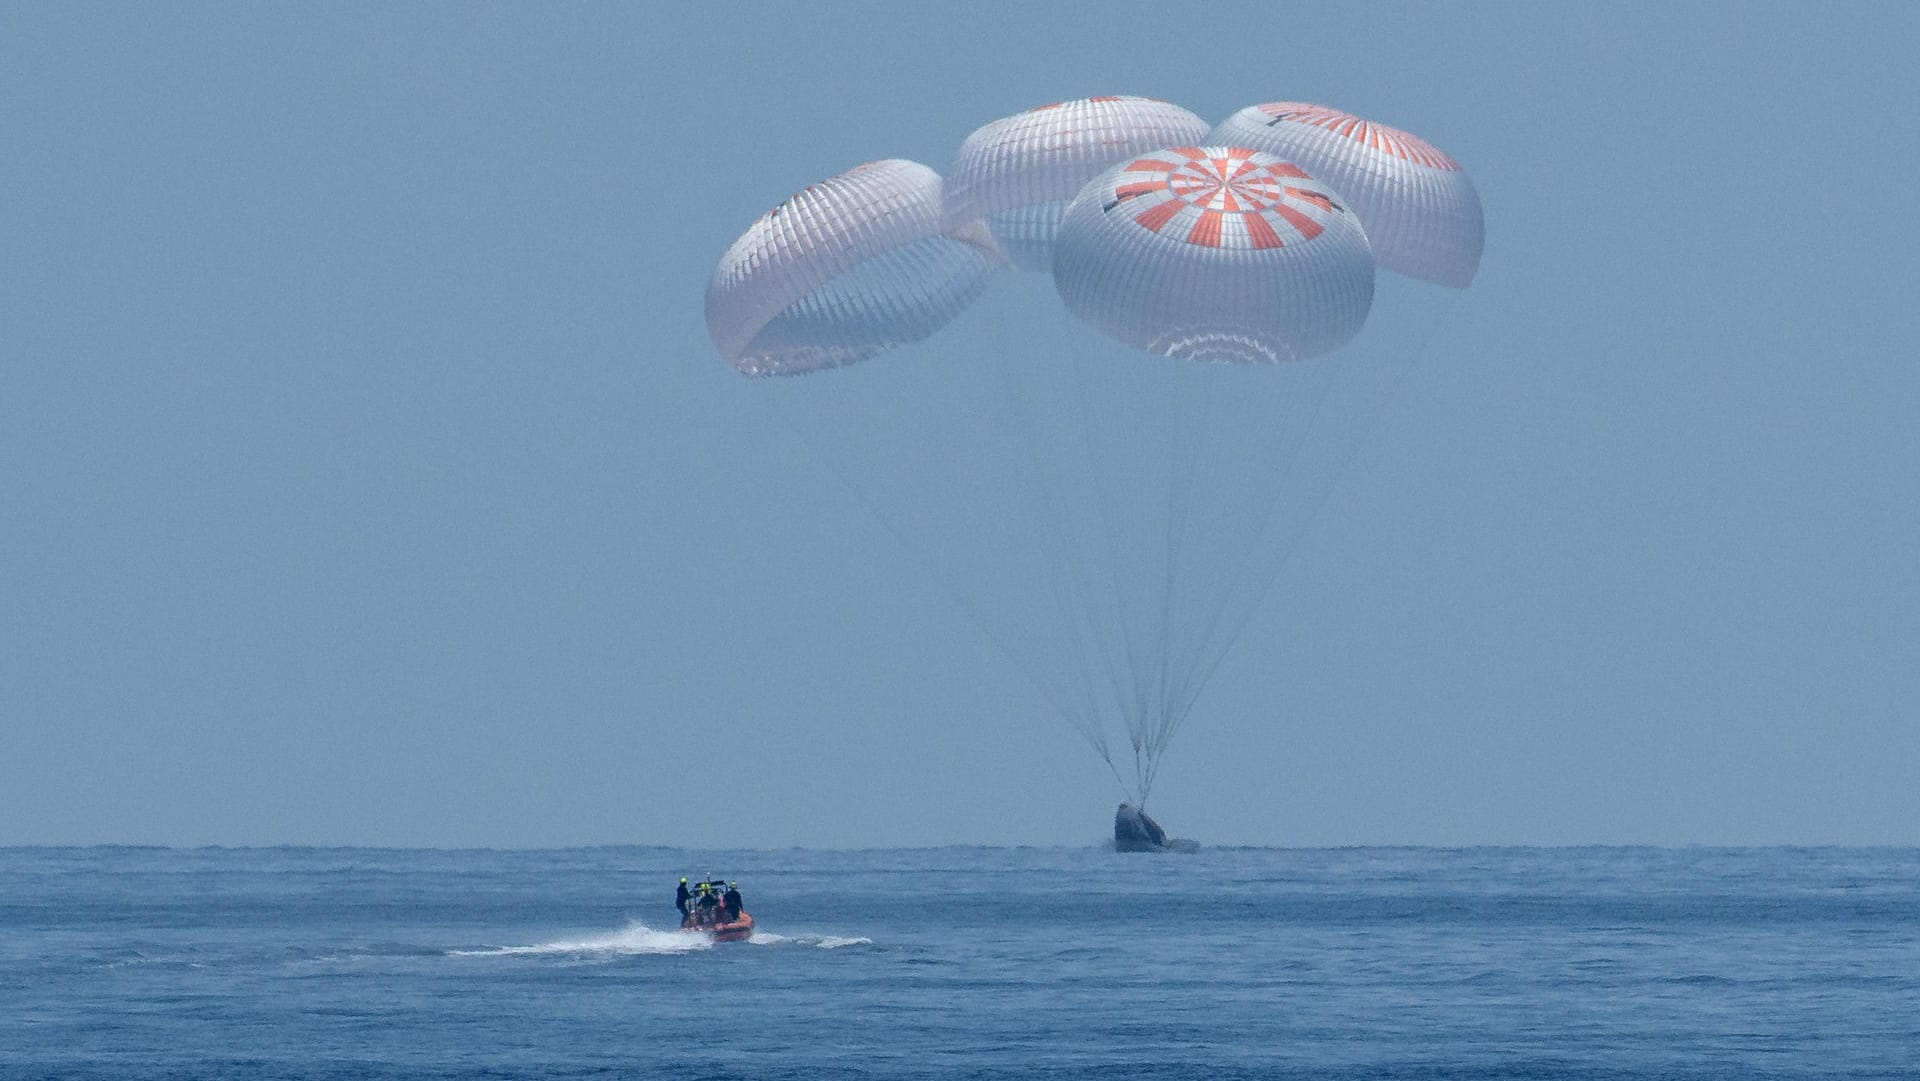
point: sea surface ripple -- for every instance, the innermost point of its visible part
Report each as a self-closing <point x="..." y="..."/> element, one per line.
<point x="1540" y="963"/>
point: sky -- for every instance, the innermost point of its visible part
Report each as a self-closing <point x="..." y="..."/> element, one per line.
<point x="367" y="475"/>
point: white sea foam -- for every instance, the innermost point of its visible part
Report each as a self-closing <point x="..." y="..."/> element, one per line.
<point x="641" y="939"/>
<point x="822" y="942"/>
<point x="635" y="939"/>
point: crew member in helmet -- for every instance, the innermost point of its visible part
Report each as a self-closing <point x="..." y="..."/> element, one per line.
<point x="680" y="897"/>
<point x="706" y="903"/>
<point x="732" y="900"/>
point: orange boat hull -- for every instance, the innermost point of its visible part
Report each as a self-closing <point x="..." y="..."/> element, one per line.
<point x="734" y="930"/>
<point x="726" y="930"/>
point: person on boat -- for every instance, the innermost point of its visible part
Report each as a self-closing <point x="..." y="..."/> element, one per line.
<point x="680" y="898"/>
<point x="732" y="900"/>
<point x="704" y="908"/>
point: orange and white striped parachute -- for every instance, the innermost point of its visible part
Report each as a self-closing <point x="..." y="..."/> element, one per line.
<point x="1215" y="253"/>
<point x="1420" y="211"/>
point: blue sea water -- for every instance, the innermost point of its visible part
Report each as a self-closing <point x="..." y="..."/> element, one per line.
<point x="1610" y="963"/>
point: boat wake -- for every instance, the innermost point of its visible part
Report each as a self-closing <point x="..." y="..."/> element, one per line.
<point x="820" y="942"/>
<point x="634" y="940"/>
<point x="638" y="939"/>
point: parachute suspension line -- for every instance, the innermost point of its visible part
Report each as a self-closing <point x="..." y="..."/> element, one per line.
<point x="1022" y="665"/>
<point x="1085" y="567"/>
<point x="1171" y="381"/>
<point x="1181" y="477"/>
<point x="1195" y="587"/>
<point x="1128" y="692"/>
<point x="1287" y="462"/>
<point x="1072" y="595"/>
<point x="1068" y="577"/>
<point x="1179" y="453"/>
<point x="1397" y="377"/>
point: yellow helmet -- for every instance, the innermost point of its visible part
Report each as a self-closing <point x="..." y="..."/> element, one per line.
<point x="683" y="878"/>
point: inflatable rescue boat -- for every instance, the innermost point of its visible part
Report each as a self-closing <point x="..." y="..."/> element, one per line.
<point x="716" y="910"/>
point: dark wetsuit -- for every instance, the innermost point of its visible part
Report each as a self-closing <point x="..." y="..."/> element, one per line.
<point x="732" y="900"/>
<point x="680" y="899"/>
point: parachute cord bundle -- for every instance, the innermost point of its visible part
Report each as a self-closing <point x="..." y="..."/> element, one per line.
<point x="1167" y="611"/>
<point x="1107" y="552"/>
<point x="1287" y="467"/>
<point x="1398" y="375"/>
<point x="1077" y="614"/>
<point x="1183" y="677"/>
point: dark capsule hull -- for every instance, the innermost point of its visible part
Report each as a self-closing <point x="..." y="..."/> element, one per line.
<point x="1135" y="831"/>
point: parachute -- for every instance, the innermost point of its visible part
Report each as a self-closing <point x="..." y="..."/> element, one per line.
<point x="1215" y="253"/>
<point x="1019" y="173"/>
<point x="850" y="267"/>
<point x="1420" y="211"/>
<point x="1108" y="508"/>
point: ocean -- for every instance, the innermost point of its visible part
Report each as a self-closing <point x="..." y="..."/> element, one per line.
<point x="1603" y="963"/>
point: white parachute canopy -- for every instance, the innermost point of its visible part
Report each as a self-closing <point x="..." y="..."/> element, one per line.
<point x="1215" y="253"/>
<point x="1019" y="173"/>
<point x="852" y="266"/>
<point x="1420" y="211"/>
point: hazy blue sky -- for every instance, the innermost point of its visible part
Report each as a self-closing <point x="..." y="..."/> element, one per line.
<point x="367" y="476"/>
